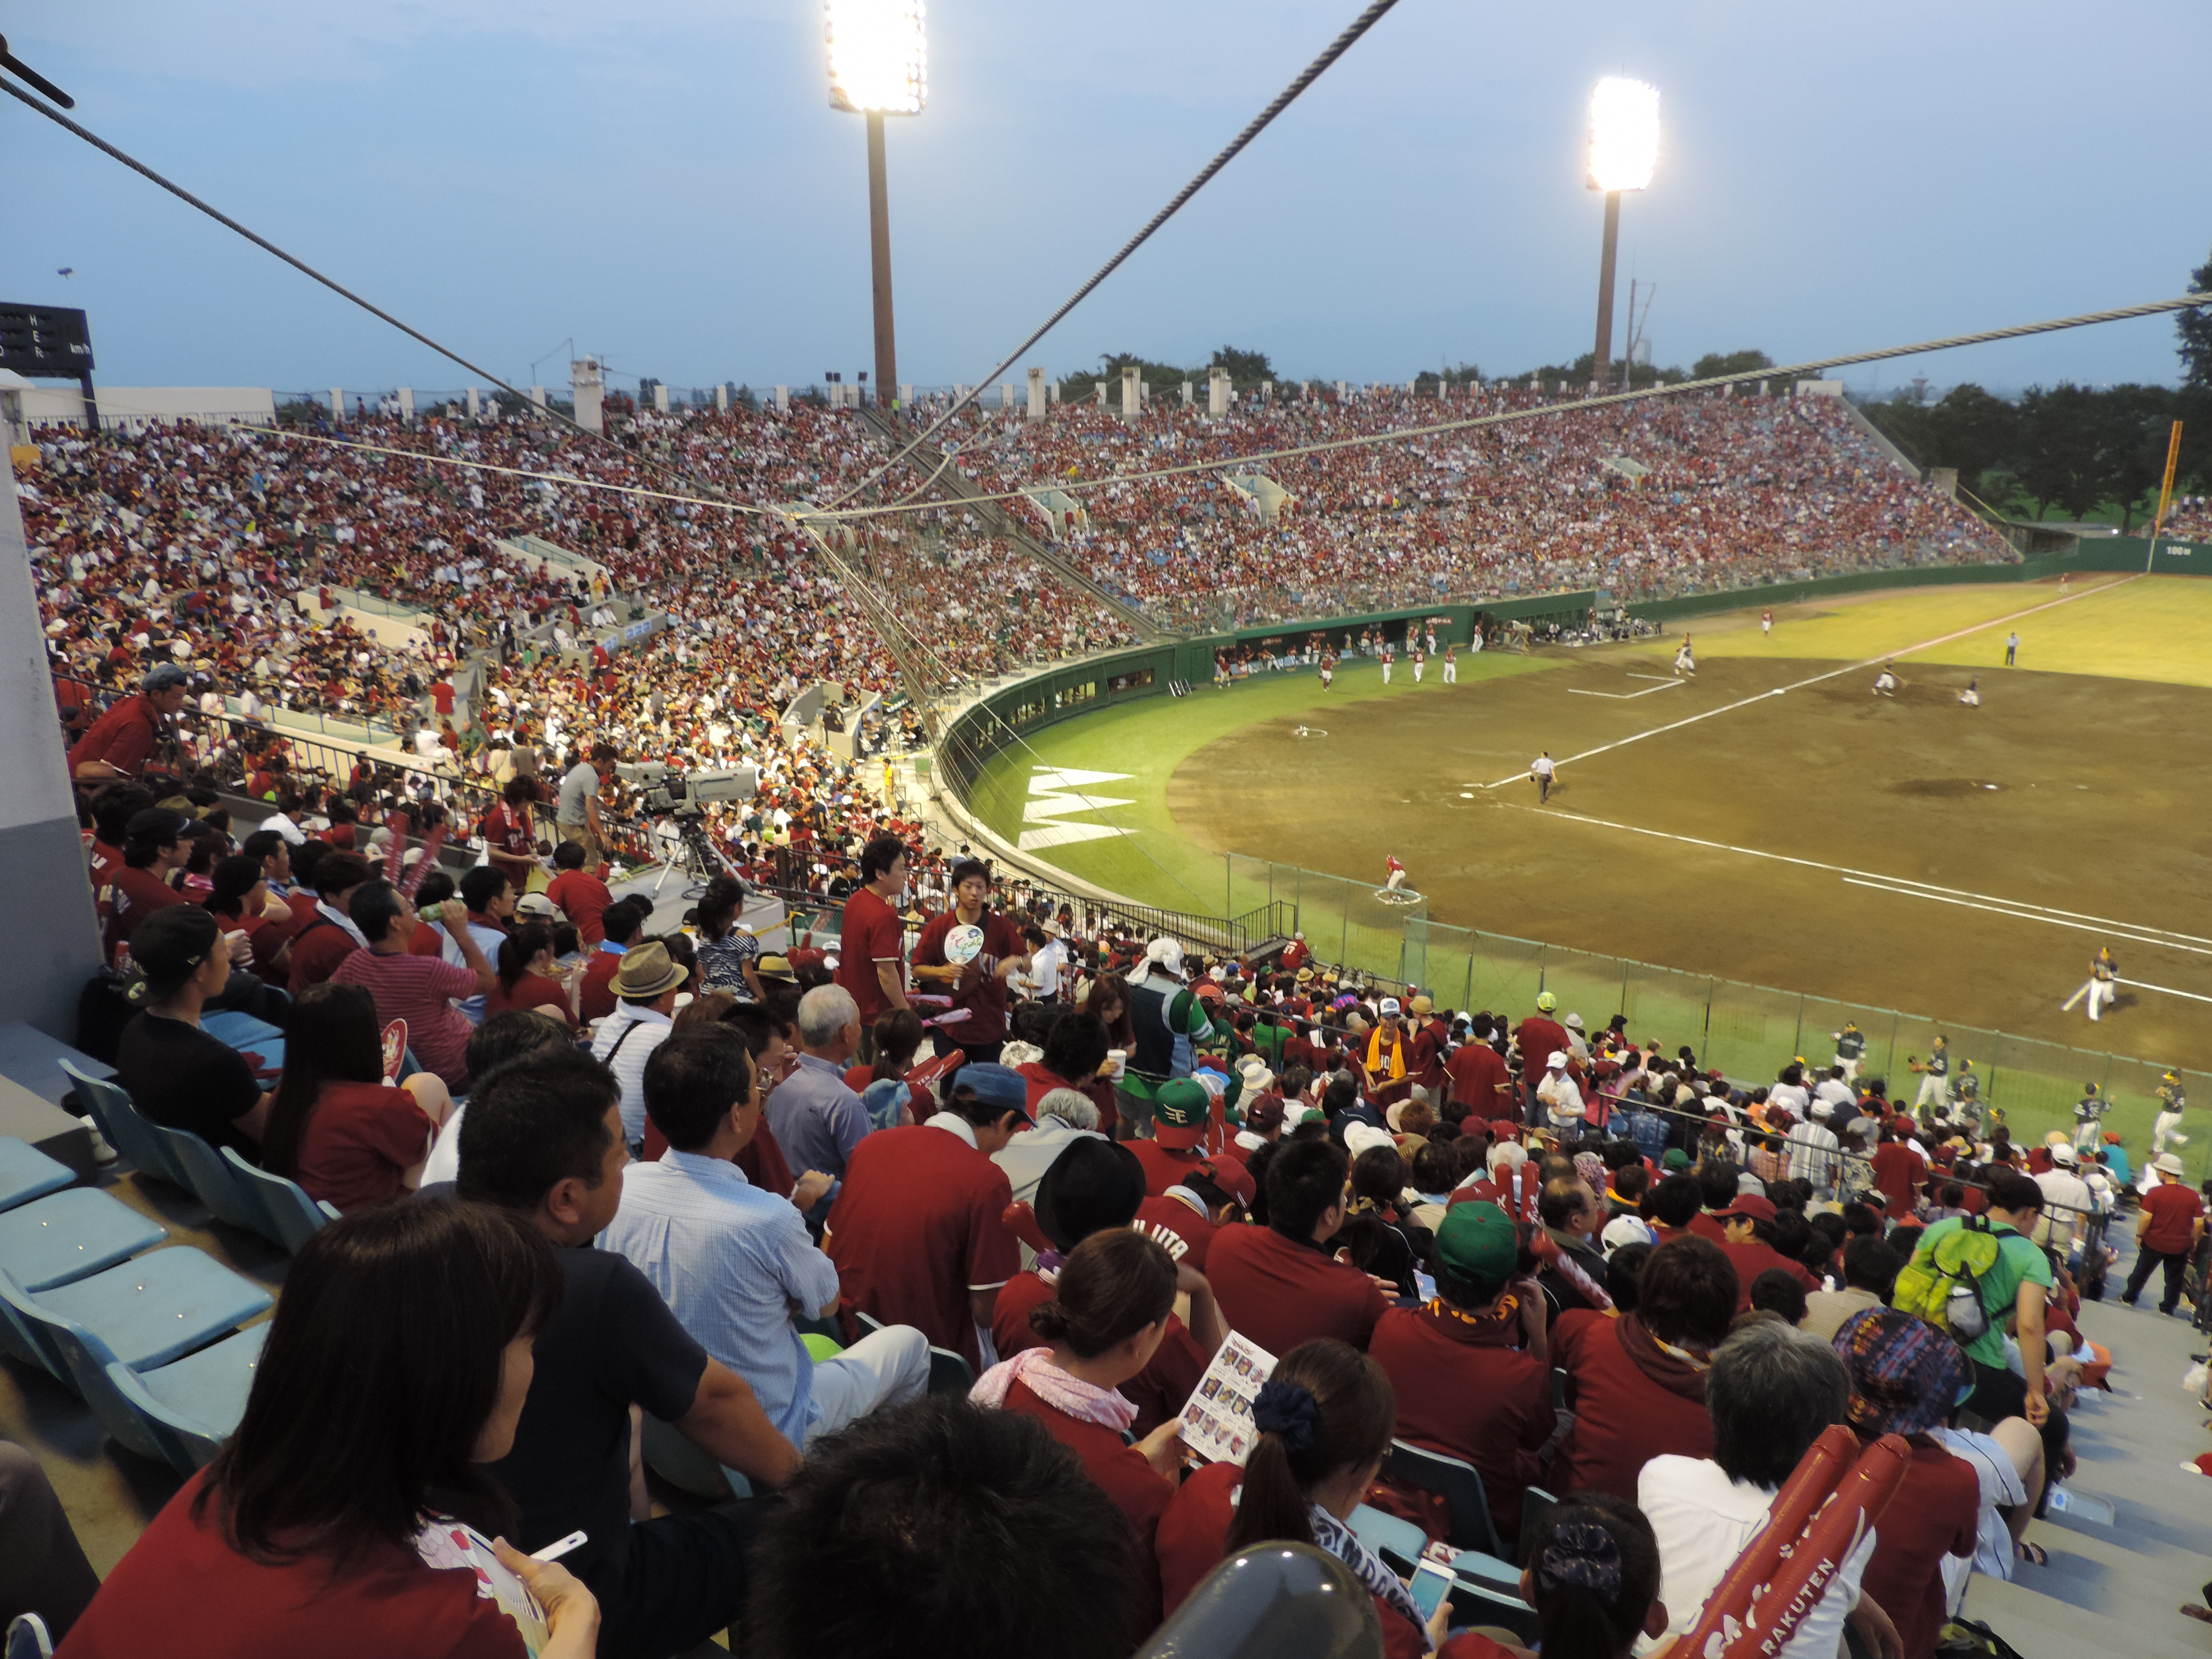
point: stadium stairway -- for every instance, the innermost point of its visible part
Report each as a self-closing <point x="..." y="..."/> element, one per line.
<point x="2115" y="1589"/>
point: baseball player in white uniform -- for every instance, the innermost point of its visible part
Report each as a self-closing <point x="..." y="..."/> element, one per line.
<point x="1971" y="696"/>
<point x="2104" y="980"/>
<point x="1386" y="665"/>
<point x="1451" y="666"/>
<point x="1419" y="662"/>
<point x="1396" y="879"/>
<point x="1885" y="683"/>
<point x="2166" y="1129"/>
<point x="1685" y="662"/>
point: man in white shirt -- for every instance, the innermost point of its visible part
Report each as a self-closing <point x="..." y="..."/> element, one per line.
<point x="1048" y="961"/>
<point x="1790" y="1094"/>
<point x="1832" y="1092"/>
<point x="1770" y="1393"/>
<point x="646" y="987"/>
<point x="2067" y="1202"/>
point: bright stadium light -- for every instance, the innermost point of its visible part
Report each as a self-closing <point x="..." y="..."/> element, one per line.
<point x="879" y="56"/>
<point x="1624" y="134"/>
<point x="879" y="66"/>
<point x="1624" y="149"/>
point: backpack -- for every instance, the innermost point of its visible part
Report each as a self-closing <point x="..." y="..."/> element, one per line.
<point x="1944" y="1286"/>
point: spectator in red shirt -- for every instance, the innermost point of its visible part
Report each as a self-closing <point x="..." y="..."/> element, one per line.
<point x="329" y="936"/>
<point x="530" y="978"/>
<point x="337" y="1127"/>
<point x="154" y="844"/>
<point x="624" y="921"/>
<point x="397" y="1367"/>
<point x="1109" y="1314"/>
<point x="918" y="1229"/>
<point x="582" y="896"/>
<point x="1905" y="1378"/>
<point x="510" y="833"/>
<point x="420" y="990"/>
<point x="1636" y="1383"/>
<point x="871" y="949"/>
<point x="1751" y="1254"/>
<point x="240" y="900"/>
<point x="1472" y="1368"/>
<point x="121" y="741"/>
<point x="1480" y="1081"/>
<point x="1276" y="1284"/>
<point x="2168" y="1226"/>
<point x="1325" y="1418"/>
<point x="1538" y="1036"/>
<point x="1182" y="1112"/>
<point x="112" y="808"/>
<point x="979" y="984"/>
<point x="1898" y="1173"/>
<point x="1185" y="1219"/>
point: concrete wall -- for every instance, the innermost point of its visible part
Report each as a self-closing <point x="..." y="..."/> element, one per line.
<point x="136" y="406"/>
<point x="56" y="935"/>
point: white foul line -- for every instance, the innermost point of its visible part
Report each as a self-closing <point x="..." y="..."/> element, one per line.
<point x="2164" y="990"/>
<point x="1577" y="691"/>
<point x="2135" y="932"/>
<point x="1847" y="668"/>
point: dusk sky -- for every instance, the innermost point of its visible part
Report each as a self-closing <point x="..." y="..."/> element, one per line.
<point x="666" y="185"/>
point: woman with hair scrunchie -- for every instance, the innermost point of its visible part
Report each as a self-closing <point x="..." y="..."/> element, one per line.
<point x="1593" y="1576"/>
<point x="1326" y="1418"/>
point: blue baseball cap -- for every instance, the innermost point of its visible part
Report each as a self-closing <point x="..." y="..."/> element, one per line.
<point x="999" y="1087"/>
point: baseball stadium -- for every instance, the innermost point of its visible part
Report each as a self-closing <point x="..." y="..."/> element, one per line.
<point x="1320" y="1001"/>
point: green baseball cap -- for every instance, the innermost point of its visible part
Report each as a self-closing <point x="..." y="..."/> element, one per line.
<point x="1477" y="1244"/>
<point x="1181" y="1112"/>
<point x="1674" y="1159"/>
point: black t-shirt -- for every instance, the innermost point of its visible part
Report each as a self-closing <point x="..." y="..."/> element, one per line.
<point x="613" y="1343"/>
<point x="183" y="1079"/>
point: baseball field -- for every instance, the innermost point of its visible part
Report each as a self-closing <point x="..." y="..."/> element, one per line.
<point x="1770" y="820"/>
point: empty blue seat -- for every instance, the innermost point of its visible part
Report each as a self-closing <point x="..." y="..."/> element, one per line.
<point x="27" y="1173"/>
<point x="71" y="1236"/>
<point x="147" y="1312"/>
<point x="248" y="1035"/>
<point x="188" y="1409"/>
<point x="127" y="1129"/>
<point x="287" y="1215"/>
<point x="208" y="1178"/>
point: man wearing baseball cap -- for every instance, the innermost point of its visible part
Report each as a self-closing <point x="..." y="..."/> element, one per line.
<point x="918" y="1230"/>
<point x="1183" y="1220"/>
<point x="2168" y="1224"/>
<point x="1182" y="1111"/>
<point x="1753" y="1254"/>
<point x="120" y="742"/>
<point x="1385" y="1059"/>
<point x="1540" y="1036"/>
<point x="1472" y="1368"/>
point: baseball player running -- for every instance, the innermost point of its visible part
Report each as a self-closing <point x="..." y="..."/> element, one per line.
<point x="1685" y="661"/>
<point x="1885" y="683"/>
<point x="2088" y="1113"/>
<point x="2166" y="1129"/>
<point x="1542" y="770"/>
<point x="1328" y="670"/>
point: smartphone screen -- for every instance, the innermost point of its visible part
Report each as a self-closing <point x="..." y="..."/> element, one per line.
<point x="1431" y="1584"/>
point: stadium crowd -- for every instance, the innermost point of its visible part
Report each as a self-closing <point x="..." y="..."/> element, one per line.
<point x="736" y="1191"/>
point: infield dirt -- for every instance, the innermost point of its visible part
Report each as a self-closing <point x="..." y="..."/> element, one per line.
<point x="2060" y="794"/>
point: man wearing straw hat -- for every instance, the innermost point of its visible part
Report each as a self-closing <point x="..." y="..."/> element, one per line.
<point x="645" y="988"/>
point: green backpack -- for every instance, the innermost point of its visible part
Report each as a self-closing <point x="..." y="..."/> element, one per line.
<point x="1943" y="1285"/>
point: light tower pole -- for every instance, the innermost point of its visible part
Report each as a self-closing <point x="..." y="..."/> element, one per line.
<point x="1623" y="150"/>
<point x="879" y="66"/>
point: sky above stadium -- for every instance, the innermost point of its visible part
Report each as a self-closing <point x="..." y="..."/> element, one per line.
<point x="664" y="183"/>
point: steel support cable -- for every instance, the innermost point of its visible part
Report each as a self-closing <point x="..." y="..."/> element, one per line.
<point x="1283" y="99"/>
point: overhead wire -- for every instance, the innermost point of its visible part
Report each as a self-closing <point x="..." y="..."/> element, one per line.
<point x="1282" y="101"/>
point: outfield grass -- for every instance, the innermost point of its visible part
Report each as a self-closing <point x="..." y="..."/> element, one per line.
<point x="1155" y="863"/>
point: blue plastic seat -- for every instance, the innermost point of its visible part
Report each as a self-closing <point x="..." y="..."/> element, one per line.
<point x="127" y="1129"/>
<point x="187" y="1410"/>
<point x="147" y="1312"/>
<point x="27" y="1173"/>
<point x="1381" y="1533"/>
<point x="285" y="1214"/>
<point x="71" y="1236"/>
<point x="209" y="1180"/>
<point x="248" y="1035"/>
<point x="950" y="1372"/>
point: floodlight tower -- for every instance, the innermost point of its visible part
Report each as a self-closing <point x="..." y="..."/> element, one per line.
<point x="879" y="66"/>
<point x="1624" y="149"/>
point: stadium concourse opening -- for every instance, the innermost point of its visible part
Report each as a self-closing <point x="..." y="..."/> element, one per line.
<point x="1766" y="819"/>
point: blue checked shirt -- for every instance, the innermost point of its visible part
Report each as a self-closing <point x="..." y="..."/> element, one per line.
<point x="730" y="1261"/>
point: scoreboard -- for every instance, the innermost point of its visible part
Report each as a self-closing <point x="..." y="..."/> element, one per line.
<point x="44" y="343"/>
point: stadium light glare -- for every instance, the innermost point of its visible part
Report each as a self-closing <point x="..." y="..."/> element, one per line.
<point x="1624" y="134"/>
<point x="879" y="56"/>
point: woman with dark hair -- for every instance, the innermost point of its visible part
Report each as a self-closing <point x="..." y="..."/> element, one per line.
<point x="241" y="897"/>
<point x="396" y="1366"/>
<point x="1325" y="1418"/>
<point x="1074" y="1057"/>
<point x="1593" y="1576"/>
<point x="890" y="1100"/>
<point x="530" y="976"/>
<point x="337" y="1127"/>
<point x="1107" y="1315"/>
<point x="728" y="952"/>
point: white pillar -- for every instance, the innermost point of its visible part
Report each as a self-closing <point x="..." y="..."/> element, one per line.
<point x="588" y="387"/>
<point x="660" y="399"/>
<point x="538" y="396"/>
<point x="1186" y="394"/>
<point x="406" y="402"/>
<point x="1052" y="392"/>
<point x="722" y="399"/>
<point x="1267" y="391"/>
<point x="1036" y="394"/>
<point x="783" y="400"/>
<point x="338" y="406"/>
<point x="906" y="394"/>
<point x="475" y="404"/>
<point x="1217" y="392"/>
<point x="1133" y="397"/>
<point x="1005" y="399"/>
<point x="1340" y="392"/>
<point x="1099" y="390"/>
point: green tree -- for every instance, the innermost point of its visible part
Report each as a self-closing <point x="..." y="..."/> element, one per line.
<point x="2058" y="459"/>
<point x="2194" y="328"/>
<point x="1246" y="368"/>
<point x="2133" y="426"/>
<point x="1714" y="364"/>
